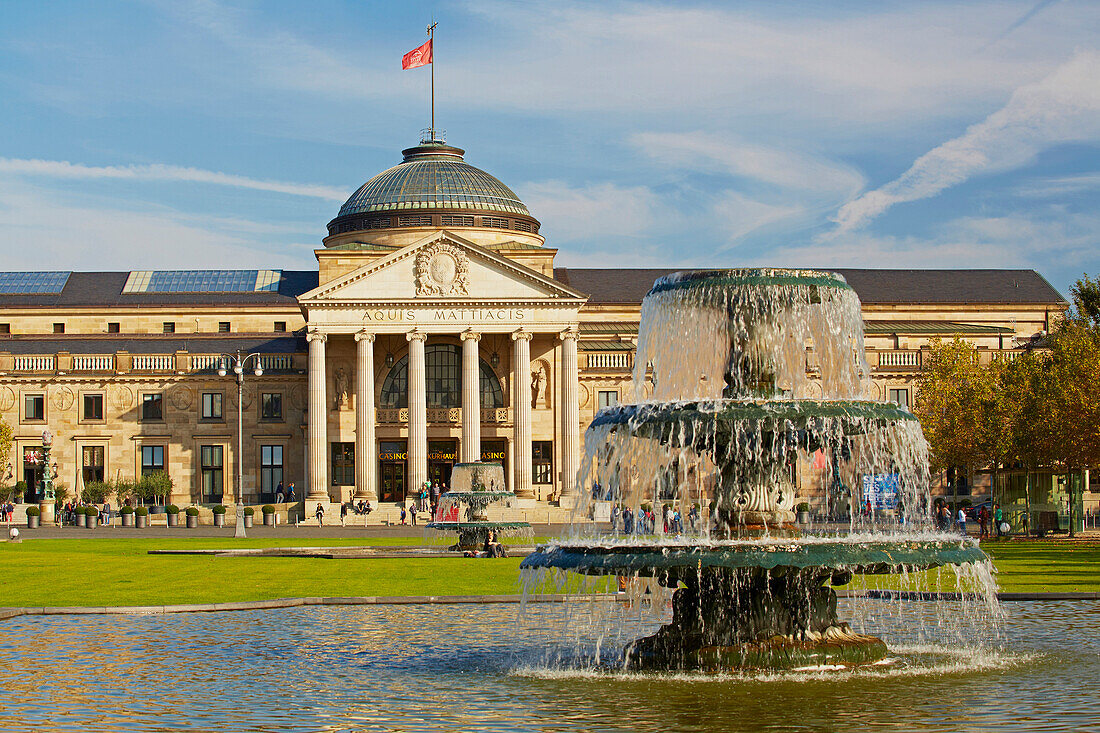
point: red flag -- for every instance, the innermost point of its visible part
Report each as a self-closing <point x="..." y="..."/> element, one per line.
<point x="420" y="56"/>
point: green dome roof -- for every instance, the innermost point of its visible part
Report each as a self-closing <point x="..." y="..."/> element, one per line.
<point x="433" y="175"/>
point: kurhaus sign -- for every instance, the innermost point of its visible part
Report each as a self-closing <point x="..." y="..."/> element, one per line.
<point x="443" y="315"/>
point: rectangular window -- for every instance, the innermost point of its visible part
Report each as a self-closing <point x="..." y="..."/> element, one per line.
<point x="542" y="462"/>
<point x="343" y="464"/>
<point x="223" y="326"/>
<point x="93" y="407"/>
<point x="152" y="459"/>
<point x="5" y="328"/>
<point x="34" y="407"/>
<point x="211" y="405"/>
<point x="607" y="398"/>
<point x="280" y="326"/>
<point x="114" y="327"/>
<point x="92" y="463"/>
<point x="210" y="456"/>
<point x="168" y="327"/>
<point x="271" y="406"/>
<point x="152" y="406"/>
<point x="899" y="396"/>
<point x="59" y="328"/>
<point x="271" y="468"/>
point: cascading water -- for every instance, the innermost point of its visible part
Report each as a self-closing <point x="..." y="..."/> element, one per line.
<point x="752" y="378"/>
<point x="464" y="510"/>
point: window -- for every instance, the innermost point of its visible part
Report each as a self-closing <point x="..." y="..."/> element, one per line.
<point x="280" y="326"/>
<point x="542" y="462"/>
<point x="152" y="459"/>
<point x="223" y="326"/>
<point x="211" y="405"/>
<point x="34" y="407"/>
<point x="271" y="406"/>
<point x="168" y="327"/>
<point x="114" y="328"/>
<point x="343" y="464"/>
<point x="59" y="328"/>
<point x="5" y="328"/>
<point x="271" y="468"/>
<point x="93" y="407"/>
<point x="899" y="396"/>
<point x="443" y="378"/>
<point x="607" y="398"/>
<point x="210" y="458"/>
<point x="152" y="406"/>
<point x="91" y="463"/>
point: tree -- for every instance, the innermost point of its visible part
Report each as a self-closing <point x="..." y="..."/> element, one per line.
<point x="1086" y="301"/>
<point x="6" y="433"/>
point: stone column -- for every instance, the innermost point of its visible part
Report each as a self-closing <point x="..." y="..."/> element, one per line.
<point x="521" y="415"/>
<point x="570" y="419"/>
<point x="318" y="420"/>
<point x="365" y="472"/>
<point x="418" y="414"/>
<point x="471" y="398"/>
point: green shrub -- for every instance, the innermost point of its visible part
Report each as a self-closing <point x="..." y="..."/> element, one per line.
<point x="126" y="510"/>
<point x="141" y="511"/>
<point x="91" y="511"/>
<point x="249" y="511"/>
<point x="192" y="511"/>
<point x="268" y="509"/>
<point x="33" y="511"/>
<point x="171" y="509"/>
<point x="219" y="509"/>
<point x="804" y="507"/>
<point x="155" y="486"/>
<point x="20" y="488"/>
<point x="94" y="492"/>
<point x="125" y="490"/>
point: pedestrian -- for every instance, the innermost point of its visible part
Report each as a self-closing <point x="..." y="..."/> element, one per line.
<point x="961" y="521"/>
<point x="998" y="519"/>
<point x="279" y="493"/>
<point x="403" y="514"/>
<point x="412" y="512"/>
<point x="983" y="522"/>
<point x="320" y="514"/>
<point x="343" y="513"/>
<point x="107" y="513"/>
<point x="290" y="493"/>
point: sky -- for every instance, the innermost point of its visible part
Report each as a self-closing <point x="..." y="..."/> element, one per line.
<point x="206" y="134"/>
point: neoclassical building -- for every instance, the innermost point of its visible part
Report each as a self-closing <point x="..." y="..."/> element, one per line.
<point x="435" y="329"/>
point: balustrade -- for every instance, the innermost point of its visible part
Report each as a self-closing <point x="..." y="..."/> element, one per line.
<point x="93" y="363"/>
<point x="899" y="359"/>
<point x="34" y="363"/>
<point x="154" y="362"/>
<point x="609" y="360"/>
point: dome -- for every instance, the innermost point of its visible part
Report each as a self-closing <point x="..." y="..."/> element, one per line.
<point x="433" y="175"/>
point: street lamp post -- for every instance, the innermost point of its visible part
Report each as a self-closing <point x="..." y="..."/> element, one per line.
<point x="238" y="363"/>
<point x="46" y="505"/>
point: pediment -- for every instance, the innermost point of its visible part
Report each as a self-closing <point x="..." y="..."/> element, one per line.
<point x="442" y="268"/>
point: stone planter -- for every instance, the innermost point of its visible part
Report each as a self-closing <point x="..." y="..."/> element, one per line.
<point x="32" y="522"/>
<point x="141" y="522"/>
<point x="269" y="520"/>
<point x="91" y="522"/>
<point x="247" y="522"/>
<point x="127" y="520"/>
<point x="803" y="517"/>
<point x="81" y="520"/>
<point x="219" y="520"/>
<point x="173" y="520"/>
<point x="192" y="522"/>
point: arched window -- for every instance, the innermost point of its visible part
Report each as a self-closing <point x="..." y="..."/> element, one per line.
<point x="443" y="379"/>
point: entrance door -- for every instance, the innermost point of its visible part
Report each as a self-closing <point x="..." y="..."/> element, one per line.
<point x="393" y="481"/>
<point x="33" y="474"/>
<point x="442" y="456"/>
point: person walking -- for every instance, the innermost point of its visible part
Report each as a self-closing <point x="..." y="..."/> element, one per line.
<point x="998" y="519"/>
<point x="961" y="521"/>
<point x="983" y="523"/>
<point x="403" y="514"/>
<point x="320" y="514"/>
<point x="412" y="513"/>
<point x="343" y="513"/>
<point x="279" y="493"/>
<point x="107" y="513"/>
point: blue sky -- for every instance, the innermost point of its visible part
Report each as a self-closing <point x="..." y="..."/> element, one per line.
<point x="207" y="134"/>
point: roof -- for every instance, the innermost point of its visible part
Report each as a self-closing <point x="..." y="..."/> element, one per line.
<point x="932" y="327"/>
<point x="433" y="176"/>
<point x="620" y="285"/>
<point x="106" y="289"/>
<point x="153" y="344"/>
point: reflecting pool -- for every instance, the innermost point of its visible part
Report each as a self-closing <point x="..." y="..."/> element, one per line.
<point x="466" y="667"/>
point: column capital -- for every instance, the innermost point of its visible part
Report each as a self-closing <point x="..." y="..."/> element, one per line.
<point x="364" y="336"/>
<point x="416" y="336"/>
<point x="569" y="333"/>
<point x="470" y="335"/>
<point x="521" y="335"/>
<point x="314" y="335"/>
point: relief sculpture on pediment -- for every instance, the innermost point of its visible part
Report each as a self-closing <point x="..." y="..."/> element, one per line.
<point x="442" y="269"/>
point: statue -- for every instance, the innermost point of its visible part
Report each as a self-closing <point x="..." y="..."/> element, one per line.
<point x="343" y="395"/>
<point x="538" y="382"/>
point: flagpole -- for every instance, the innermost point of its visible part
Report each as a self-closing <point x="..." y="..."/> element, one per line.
<point x="431" y="39"/>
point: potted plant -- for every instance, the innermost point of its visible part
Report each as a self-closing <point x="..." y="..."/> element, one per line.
<point x="34" y="514"/>
<point x="219" y="515"/>
<point x="156" y="486"/>
<point x="269" y="515"/>
<point x="20" y="491"/>
<point x="127" y="514"/>
<point x="141" y="517"/>
<point x="192" y="517"/>
<point x="173" y="513"/>
<point x="91" y="517"/>
<point x="248" y="513"/>
<point x="804" y="513"/>
<point x="81" y="517"/>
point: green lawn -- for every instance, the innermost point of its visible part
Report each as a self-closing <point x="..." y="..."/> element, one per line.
<point x="120" y="572"/>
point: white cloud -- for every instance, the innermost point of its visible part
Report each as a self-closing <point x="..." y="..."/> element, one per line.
<point x="1063" y="107"/>
<point x="737" y="215"/>
<point x="591" y="211"/>
<point x="157" y="172"/>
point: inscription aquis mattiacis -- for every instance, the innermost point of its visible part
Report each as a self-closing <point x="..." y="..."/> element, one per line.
<point x="443" y="315"/>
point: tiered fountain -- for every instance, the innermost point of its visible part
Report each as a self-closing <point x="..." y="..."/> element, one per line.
<point x="464" y="509"/>
<point x="752" y="372"/>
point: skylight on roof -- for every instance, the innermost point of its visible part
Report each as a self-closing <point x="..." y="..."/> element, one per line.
<point x="32" y="283"/>
<point x="202" y="281"/>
